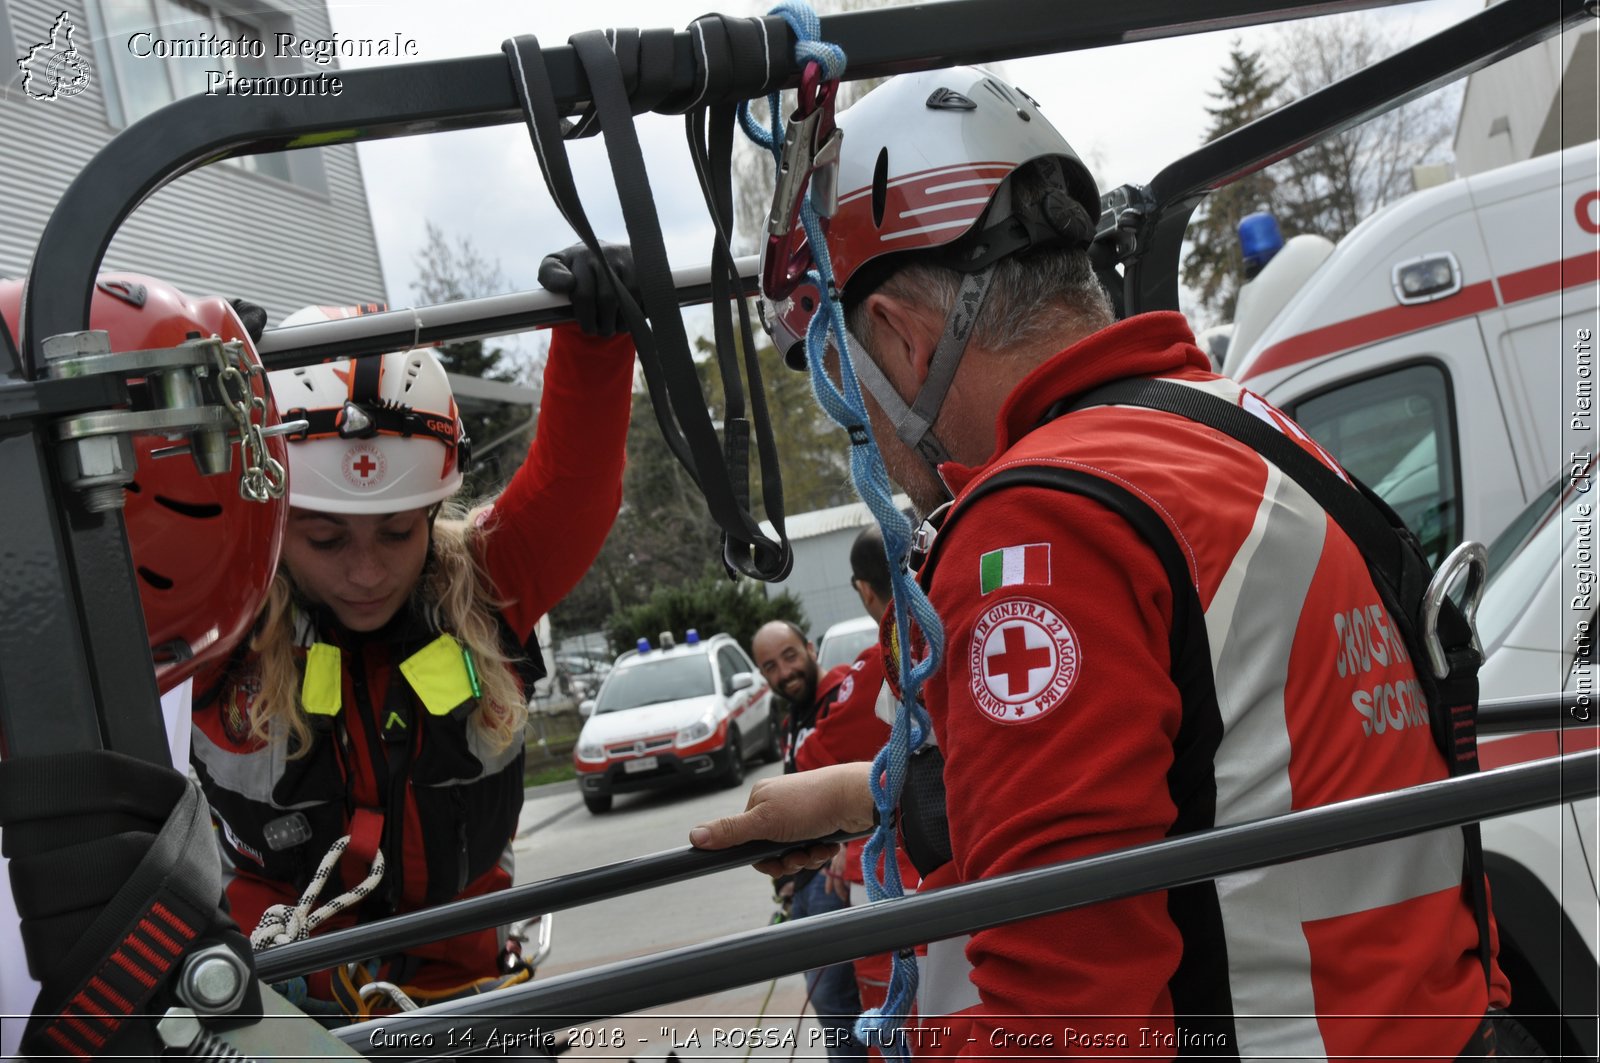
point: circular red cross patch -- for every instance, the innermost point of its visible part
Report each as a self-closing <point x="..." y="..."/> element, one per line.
<point x="1024" y="660"/>
<point x="364" y="466"/>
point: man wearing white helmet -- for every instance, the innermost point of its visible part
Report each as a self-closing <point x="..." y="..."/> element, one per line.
<point x="382" y="696"/>
<point x="1143" y="646"/>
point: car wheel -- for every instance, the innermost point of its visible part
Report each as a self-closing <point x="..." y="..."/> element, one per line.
<point x="597" y="803"/>
<point x="733" y="774"/>
<point x="771" y="753"/>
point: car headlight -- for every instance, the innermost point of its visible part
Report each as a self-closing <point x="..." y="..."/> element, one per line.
<point x="699" y="731"/>
<point x="590" y="752"/>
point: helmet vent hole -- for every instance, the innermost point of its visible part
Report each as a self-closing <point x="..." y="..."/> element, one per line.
<point x="880" y="187"/>
<point x="413" y="370"/>
<point x="197" y="510"/>
<point x="807" y="303"/>
<point x="155" y="579"/>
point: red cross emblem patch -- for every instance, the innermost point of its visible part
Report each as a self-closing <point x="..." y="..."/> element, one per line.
<point x="1024" y="660"/>
<point x="364" y="466"/>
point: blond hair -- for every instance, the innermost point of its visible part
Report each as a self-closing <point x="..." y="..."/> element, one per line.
<point x="455" y="595"/>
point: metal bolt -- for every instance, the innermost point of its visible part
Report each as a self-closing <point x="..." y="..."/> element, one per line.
<point x="178" y="1028"/>
<point x="99" y="466"/>
<point x="213" y="980"/>
<point x="76" y="344"/>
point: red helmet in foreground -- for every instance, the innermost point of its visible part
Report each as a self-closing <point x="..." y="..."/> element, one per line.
<point x="204" y="554"/>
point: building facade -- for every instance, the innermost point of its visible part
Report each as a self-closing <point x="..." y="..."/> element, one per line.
<point x="1540" y="100"/>
<point x="284" y="230"/>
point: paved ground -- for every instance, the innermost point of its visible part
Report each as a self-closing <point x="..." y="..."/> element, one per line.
<point x="557" y="835"/>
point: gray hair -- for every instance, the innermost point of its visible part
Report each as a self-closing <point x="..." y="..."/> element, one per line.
<point x="1031" y="296"/>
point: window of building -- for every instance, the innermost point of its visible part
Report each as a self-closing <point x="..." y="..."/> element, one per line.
<point x="1397" y="433"/>
<point x="157" y="51"/>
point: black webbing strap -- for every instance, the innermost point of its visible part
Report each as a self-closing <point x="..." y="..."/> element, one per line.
<point x="1399" y="570"/>
<point x="166" y="903"/>
<point x="735" y="52"/>
<point x="657" y="325"/>
<point x="385" y="420"/>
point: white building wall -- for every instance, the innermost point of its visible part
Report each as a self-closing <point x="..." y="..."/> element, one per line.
<point x="219" y="230"/>
<point x="820" y="578"/>
<point x="1540" y="100"/>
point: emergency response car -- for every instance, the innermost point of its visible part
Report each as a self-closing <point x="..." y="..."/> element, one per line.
<point x="674" y="714"/>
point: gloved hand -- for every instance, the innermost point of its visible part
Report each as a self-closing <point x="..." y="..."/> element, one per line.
<point x="576" y="273"/>
<point x="251" y="316"/>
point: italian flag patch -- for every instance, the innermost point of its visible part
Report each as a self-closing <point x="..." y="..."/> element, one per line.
<point x="1014" y="566"/>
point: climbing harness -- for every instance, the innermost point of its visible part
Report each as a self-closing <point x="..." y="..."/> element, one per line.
<point x="806" y="154"/>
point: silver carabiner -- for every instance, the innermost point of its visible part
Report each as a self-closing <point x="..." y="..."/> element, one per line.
<point x="1470" y="557"/>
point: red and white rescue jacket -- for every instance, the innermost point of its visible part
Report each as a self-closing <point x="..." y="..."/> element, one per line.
<point x="1064" y="735"/>
<point x="442" y="809"/>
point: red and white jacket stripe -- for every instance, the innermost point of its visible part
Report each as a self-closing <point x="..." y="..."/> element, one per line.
<point x="1059" y="723"/>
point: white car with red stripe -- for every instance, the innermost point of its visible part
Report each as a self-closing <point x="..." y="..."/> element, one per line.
<point x="674" y="714"/>
<point x="1443" y="350"/>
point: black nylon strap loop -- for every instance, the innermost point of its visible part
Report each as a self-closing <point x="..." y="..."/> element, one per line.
<point x="657" y="325"/>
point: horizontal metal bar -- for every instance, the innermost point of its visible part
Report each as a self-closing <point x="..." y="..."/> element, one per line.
<point x="1537" y="712"/>
<point x="519" y="902"/>
<point x="660" y="869"/>
<point x="493" y="315"/>
<point x="414" y="98"/>
<point x="805" y="944"/>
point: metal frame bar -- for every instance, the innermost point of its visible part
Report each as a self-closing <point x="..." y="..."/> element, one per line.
<point x="101" y="652"/>
<point x="1543" y="712"/>
<point x="1151" y="279"/>
<point x="768" y="952"/>
<point x="99" y="690"/>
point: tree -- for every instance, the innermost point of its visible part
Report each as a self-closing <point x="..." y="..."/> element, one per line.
<point x="1246" y="91"/>
<point x="1330" y="186"/>
<point x="711" y="605"/>
<point x="449" y="272"/>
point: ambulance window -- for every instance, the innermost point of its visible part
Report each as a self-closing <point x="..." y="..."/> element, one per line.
<point x="1397" y="433"/>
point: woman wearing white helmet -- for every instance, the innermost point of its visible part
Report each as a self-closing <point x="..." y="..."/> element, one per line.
<point x="382" y="696"/>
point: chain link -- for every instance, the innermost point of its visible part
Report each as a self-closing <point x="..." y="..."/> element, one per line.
<point x="262" y="478"/>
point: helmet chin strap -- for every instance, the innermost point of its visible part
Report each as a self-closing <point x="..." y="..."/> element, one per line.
<point x="913" y="422"/>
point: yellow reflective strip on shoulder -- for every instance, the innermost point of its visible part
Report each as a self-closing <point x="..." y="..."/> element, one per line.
<point x="322" y="686"/>
<point x="438" y="673"/>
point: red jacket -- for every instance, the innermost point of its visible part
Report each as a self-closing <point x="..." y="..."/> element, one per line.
<point x="446" y="815"/>
<point x="1059" y="723"/>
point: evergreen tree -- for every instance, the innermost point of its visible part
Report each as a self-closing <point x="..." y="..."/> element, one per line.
<point x="1212" y="268"/>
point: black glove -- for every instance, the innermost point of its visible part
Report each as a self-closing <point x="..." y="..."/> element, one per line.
<point x="252" y="316"/>
<point x="575" y="273"/>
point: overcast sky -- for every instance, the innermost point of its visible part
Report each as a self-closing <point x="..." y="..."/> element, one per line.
<point x="1128" y="110"/>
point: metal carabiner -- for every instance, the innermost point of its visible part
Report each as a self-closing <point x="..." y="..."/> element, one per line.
<point x="808" y="162"/>
<point x="1472" y="558"/>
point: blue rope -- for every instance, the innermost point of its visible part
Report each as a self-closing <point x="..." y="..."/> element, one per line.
<point x="845" y="406"/>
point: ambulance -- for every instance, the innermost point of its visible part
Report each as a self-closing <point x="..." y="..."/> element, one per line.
<point x="1444" y="348"/>
<point x="1443" y="352"/>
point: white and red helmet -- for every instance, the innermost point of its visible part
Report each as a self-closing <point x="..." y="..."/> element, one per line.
<point x="203" y="555"/>
<point x="384" y="433"/>
<point x="921" y="161"/>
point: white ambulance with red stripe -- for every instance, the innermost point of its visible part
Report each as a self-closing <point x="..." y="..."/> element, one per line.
<point x="1443" y="351"/>
<point x="1437" y="350"/>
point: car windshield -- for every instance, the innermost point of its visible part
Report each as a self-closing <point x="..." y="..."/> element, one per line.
<point x="654" y="682"/>
<point x="1520" y="559"/>
<point x="844" y="647"/>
